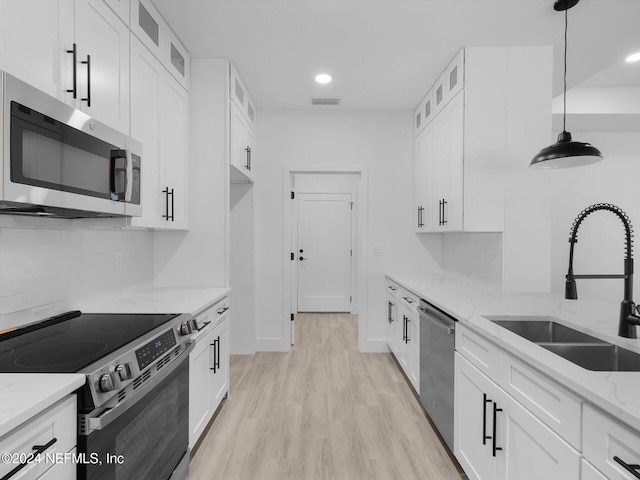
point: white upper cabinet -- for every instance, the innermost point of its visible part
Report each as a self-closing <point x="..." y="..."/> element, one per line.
<point x="75" y="51"/>
<point x="34" y="54"/>
<point x="149" y="26"/>
<point x="121" y="8"/>
<point x="480" y="96"/>
<point x="159" y="119"/>
<point x="102" y="63"/>
<point x="241" y="129"/>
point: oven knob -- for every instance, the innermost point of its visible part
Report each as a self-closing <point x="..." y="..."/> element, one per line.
<point x="185" y="328"/>
<point x="124" y="371"/>
<point x="106" y="383"/>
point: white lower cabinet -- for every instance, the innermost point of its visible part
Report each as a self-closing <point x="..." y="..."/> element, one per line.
<point x="208" y="368"/>
<point x="403" y="331"/>
<point x="392" y="323"/>
<point x="56" y="429"/>
<point x="608" y="445"/>
<point x="496" y="437"/>
<point x="589" y="472"/>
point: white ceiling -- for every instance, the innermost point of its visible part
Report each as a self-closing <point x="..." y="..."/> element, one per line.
<point x="387" y="53"/>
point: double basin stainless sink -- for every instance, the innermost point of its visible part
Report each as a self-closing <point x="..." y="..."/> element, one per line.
<point x="580" y="348"/>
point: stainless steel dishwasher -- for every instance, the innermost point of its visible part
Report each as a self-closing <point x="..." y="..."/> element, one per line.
<point x="436" y="367"/>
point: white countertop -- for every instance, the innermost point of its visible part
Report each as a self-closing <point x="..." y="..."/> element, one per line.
<point x="155" y="300"/>
<point x="618" y="393"/>
<point x="26" y="395"/>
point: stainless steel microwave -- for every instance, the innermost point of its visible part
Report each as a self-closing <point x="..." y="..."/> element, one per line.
<point x="59" y="161"/>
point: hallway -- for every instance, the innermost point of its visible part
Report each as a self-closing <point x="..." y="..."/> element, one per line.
<point x="321" y="411"/>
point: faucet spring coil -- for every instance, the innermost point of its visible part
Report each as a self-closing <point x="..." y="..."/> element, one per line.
<point x="624" y="218"/>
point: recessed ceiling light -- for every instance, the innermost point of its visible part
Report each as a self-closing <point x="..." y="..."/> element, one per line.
<point x="634" y="57"/>
<point x="323" y="78"/>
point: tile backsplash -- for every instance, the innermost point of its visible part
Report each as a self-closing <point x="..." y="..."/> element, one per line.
<point x="47" y="264"/>
<point x="475" y="255"/>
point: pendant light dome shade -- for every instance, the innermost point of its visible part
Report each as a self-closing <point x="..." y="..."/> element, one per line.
<point x="566" y="153"/>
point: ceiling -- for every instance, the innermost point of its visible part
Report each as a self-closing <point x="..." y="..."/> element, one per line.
<point x="385" y="54"/>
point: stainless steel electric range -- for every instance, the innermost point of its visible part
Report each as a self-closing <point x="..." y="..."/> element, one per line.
<point x="134" y="403"/>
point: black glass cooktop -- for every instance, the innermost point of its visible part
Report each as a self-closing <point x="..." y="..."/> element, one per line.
<point x="69" y="342"/>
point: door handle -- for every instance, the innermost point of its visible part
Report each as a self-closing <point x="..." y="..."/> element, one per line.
<point x="631" y="468"/>
<point x="74" y="90"/>
<point x="495" y="415"/>
<point x="87" y="62"/>
<point x="485" y="437"/>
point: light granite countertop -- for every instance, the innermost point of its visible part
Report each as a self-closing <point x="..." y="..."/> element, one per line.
<point x="26" y="395"/>
<point x="617" y="393"/>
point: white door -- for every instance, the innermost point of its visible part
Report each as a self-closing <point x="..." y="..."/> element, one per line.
<point x="324" y="252"/>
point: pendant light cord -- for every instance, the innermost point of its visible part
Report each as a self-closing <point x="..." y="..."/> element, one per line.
<point x="564" y="112"/>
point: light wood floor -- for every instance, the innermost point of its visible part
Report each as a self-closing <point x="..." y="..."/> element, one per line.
<point x="321" y="411"/>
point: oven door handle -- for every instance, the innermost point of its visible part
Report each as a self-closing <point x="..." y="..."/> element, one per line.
<point x="89" y="423"/>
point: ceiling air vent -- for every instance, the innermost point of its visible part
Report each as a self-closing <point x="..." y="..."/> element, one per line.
<point x="325" y="101"/>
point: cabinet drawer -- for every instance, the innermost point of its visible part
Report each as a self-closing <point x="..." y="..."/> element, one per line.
<point x="605" y="438"/>
<point x="553" y="405"/>
<point x="59" y="422"/>
<point x="479" y="351"/>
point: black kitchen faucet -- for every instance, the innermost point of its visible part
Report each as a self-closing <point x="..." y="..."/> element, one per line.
<point x="628" y="318"/>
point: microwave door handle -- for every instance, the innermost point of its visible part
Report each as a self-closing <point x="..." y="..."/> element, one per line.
<point x="128" y="189"/>
<point x="118" y="168"/>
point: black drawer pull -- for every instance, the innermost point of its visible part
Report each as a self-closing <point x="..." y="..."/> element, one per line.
<point x="631" y="468"/>
<point x="485" y="437"/>
<point x="495" y="415"/>
<point x="74" y="90"/>
<point x="38" y="449"/>
<point x="222" y="310"/>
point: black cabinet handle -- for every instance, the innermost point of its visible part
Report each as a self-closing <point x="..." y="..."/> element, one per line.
<point x="392" y="288"/>
<point x="74" y="90"/>
<point x="166" y="204"/>
<point x="444" y="215"/>
<point x="404" y="328"/>
<point x="420" y="217"/>
<point x="248" y="164"/>
<point x="485" y="437"/>
<point x="217" y="354"/>
<point x="439" y="212"/>
<point x="631" y="468"/>
<point x="37" y="450"/>
<point x="390" y="312"/>
<point x="173" y="210"/>
<point x="87" y="62"/>
<point x="221" y="311"/>
<point x="495" y="415"/>
<point x="408" y="338"/>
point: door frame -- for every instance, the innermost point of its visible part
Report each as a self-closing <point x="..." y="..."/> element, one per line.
<point x="360" y="242"/>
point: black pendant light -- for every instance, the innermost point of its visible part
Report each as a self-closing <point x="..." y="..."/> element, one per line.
<point x="565" y="152"/>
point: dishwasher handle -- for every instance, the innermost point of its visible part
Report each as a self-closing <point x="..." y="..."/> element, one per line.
<point x="436" y="317"/>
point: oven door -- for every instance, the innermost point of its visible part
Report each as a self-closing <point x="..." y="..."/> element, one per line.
<point x="145" y="437"/>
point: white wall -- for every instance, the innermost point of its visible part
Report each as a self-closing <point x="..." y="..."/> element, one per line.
<point x="474" y="255"/>
<point x="600" y="247"/>
<point x="47" y="265"/>
<point x="380" y="141"/>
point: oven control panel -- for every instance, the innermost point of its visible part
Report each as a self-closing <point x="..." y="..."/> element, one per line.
<point x="155" y="349"/>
